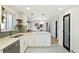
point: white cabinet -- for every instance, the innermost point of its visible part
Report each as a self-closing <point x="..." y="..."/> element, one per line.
<point x="47" y="40"/>
<point x="30" y="40"/>
<point x="38" y="40"/>
<point x="23" y="44"/>
<point x="42" y="40"/>
<point x="1" y="51"/>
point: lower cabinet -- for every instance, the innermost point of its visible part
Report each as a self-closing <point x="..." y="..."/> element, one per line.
<point x="42" y="40"/>
<point x="13" y="48"/>
<point x="1" y="51"/>
<point x="38" y="40"/>
<point x="27" y="41"/>
<point x="23" y="44"/>
<point x="17" y="47"/>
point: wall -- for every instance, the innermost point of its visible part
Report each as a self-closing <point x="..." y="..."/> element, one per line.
<point x="24" y="18"/>
<point x="38" y="21"/>
<point x="75" y="29"/>
<point x="60" y="25"/>
<point x="52" y="25"/>
<point x="74" y="22"/>
<point x="13" y="11"/>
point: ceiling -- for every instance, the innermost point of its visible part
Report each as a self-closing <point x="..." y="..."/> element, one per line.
<point x="38" y="10"/>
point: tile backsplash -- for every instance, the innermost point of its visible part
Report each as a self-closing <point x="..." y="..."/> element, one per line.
<point x="4" y="34"/>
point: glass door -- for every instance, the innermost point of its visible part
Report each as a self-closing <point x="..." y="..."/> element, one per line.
<point x="66" y="31"/>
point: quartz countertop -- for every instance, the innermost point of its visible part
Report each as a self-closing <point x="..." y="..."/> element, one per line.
<point x="6" y="41"/>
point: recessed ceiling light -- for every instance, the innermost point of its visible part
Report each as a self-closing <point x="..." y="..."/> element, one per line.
<point x="28" y="8"/>
<point x="41" y="22"/>
<point x="60" y="9"/>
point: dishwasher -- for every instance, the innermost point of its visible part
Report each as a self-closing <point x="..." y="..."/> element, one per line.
<point x="13" y="48"/>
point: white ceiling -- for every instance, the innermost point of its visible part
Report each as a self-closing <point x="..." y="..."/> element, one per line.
<point x="37" y="10"/>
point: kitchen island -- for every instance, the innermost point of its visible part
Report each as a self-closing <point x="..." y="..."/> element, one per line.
<point x="38" y="39"/>
<point x="30" y="39"/>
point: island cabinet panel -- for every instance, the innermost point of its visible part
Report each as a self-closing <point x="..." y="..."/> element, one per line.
<point x="38" y="40"/>
<point x="23" y="44"/>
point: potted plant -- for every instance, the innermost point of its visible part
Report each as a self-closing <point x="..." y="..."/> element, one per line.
<point x="19" y="25"/>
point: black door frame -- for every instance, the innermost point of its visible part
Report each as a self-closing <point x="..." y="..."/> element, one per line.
<point x="56" y="23"/>
<point x="68" y="48"/>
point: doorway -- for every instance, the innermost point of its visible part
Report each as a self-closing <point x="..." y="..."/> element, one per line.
<point x="56" y="28"/>
<point x="66" y="31"/>
<point x="55" y="39"/>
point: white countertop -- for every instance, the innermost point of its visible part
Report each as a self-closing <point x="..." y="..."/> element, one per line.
<point x="6" y="41"/>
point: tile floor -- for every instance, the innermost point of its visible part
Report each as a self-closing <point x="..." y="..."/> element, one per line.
<point x="56" y="48"/>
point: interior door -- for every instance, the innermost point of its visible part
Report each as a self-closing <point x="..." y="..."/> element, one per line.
<point x="66" y="31"/>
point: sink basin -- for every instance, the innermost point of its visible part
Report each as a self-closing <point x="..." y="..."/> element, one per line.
<point x="16" y="36"/>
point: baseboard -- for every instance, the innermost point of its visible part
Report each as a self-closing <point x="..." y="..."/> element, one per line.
<point x="73" y="51"/>
<point x="39" y="46"/>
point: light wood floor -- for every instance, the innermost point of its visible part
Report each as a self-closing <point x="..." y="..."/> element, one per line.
<point x="54" y="40"/>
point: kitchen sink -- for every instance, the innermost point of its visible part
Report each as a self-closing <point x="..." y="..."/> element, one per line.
<point x="16" y="36"/>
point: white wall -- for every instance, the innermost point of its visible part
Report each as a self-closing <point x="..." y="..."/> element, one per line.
<point x="38" y="21"/>
<point x="60" y="25"/>
<point x="13" y="11"/>
<point x="52" y="25"/>
<point x="75" y="29"/>
<point x="74" y="22"/>
<point x="24" y="18"/>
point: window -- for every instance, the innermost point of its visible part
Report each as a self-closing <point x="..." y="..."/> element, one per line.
<point x="9" y="21"/>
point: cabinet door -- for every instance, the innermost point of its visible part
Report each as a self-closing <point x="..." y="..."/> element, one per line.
<point x="29" y="40"/>
<point x="39" y="40"/>
<point x="25" y="42"/>
<point x="1" y="51"/>
<point x="22" y="45"/>
<point x="26" y="38"/>
<point x="48" y="40"/>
